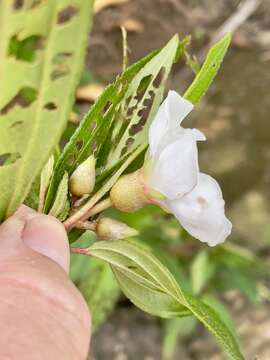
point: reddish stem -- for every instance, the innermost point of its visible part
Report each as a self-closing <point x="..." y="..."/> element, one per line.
<point x="79" y="250"/>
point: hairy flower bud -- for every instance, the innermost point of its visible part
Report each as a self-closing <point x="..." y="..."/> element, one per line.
<point x="128" y="194"/>
<point x="82" y="180"/>
<point x="109" y="229"/>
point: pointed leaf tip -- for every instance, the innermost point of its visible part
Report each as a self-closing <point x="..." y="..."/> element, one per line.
<point x="209" y="70"/>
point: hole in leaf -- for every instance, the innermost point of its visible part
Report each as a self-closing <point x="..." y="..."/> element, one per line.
<point x="143" y="114"/>
<point x="25" y="49"/>
<point x="131" y="110"/>
<point x="59" y="72"/>
<point x="124" y="150"/>
<point x="16" y="123"/>
<point x="159" y="78"/>
<point x="9" y="158"/>
<point x="62" y="57"/>
<point x="79" y="144"/>
<point x="50" y="106"/>
<point x="18" y="4"/>
<point x="144" y="83"/>
<point x="35" y="3"/>
<point x="106" y="107"/>
<point x="134" y="129"/>
<point x="129" y="142"/>
<point x="25" y="97"/>
<point x="66" y="14"/>
<point x="128" y="101"/>
<point x="132" y="267"/>
<point x="62" y="67"/>
<point x="71" y="159"/>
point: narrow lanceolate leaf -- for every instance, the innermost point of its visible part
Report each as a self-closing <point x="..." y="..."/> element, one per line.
<point x="42" y="47"/>
<point x="45" y="178"/>
<point x="60" y="206"/>
<point x="117" y="124"/>
<point x="208" y="71"/>
<point x="144" y="280"/>
<point x="150" y="286"/>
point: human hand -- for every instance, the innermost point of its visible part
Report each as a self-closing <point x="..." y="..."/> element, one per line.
<point x="42" y="314"/>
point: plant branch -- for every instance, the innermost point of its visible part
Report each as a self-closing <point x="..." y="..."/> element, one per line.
<point x="86" y="225"/>
<point x="78" y="250"/>
<point x="83" y="214"/>
<point x="101" y="206"/>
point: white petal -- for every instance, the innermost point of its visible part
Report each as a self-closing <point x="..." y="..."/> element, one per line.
<point x="175" y="172"/>
<point x="168" y="119"/>
<point x="201" y="212"/>
<point x="177" y="108"/>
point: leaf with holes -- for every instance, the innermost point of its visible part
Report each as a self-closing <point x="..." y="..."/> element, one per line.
<point x="42" y="47"/>
<point x="208" y="71"/>
<point x="117" y="123"/>
<point x="150" y="285"/>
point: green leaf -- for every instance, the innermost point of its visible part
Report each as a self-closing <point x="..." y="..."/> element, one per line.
<point x="45" y="178"/>
<point x="201" y="271"/>
<point x="211" y="320"/>
<point x="60" y="206"/>
<point x="174" y="329"/>
<point x="42" y="50"/>
<point x="117" y="124"/>
<point x="149" y="284"/>
<point x="208" y="71"/>
<point x="79" y="265"/>
<point x="221" y="310"/>
<point x="100" y="290"/>
<point x="151" y="300"/>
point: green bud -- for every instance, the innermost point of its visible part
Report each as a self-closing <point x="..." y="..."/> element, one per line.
<point x="128" y="193"/>
<point x="82" y="180"/>
<point x="109" y="229"/>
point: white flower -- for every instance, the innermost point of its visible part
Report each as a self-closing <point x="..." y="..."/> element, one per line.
<point x="201" y="212"/>
<point x="171" y="168"/>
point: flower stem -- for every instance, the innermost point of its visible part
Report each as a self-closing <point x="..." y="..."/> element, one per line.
<point x="86" y="225"/>
<point x="79" y="250"/>
<point x="101" y="206"/>
<point x="84" y="213"/>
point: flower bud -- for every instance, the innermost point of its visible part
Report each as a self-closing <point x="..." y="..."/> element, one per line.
<point x="82" y="180"/>
<point x="128" y="194"/>
<point x="109" y="229"/>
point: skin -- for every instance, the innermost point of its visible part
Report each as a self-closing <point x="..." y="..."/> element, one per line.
<point x="43" y="315"/>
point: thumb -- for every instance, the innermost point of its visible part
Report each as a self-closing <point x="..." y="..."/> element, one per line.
<point x="47" y="236"/>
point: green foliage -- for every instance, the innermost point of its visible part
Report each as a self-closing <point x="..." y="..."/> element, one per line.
<point x="41" y="55"/>
<point x="116" y="125"/>
<point x="61" y="206"/>
<point x="147" y="283"/>
<point x="42" y="49"/>
<point x="100" y="290"/>
<point x="221" y="310"/>
<point x="208" y="71"/>
<point x="96" y="282"/>
<point x="173" y="330"/>
<point x="201" y="270"/>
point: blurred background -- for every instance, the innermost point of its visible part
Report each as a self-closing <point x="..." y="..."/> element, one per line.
<point x="234" y="116"/>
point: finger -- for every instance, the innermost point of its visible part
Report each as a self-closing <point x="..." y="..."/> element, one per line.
<point x="10" y="233"/>
<point x="25" y="213"/>
<point x="46" y="235"/>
